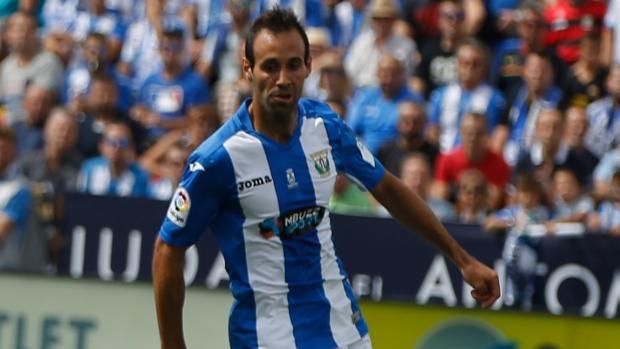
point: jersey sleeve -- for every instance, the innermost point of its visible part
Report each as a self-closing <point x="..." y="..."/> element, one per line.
<point x="194" y="204"/>
<point x="354" y="159"/>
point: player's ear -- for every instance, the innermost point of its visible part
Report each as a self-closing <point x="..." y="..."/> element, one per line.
<point x="247" y="68"/>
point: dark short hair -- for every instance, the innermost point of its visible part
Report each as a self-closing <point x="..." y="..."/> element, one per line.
<point x="7" y="134"/>
<point x="276" y="20"/>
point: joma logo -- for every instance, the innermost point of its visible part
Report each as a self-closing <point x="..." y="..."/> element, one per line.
<point x="254" y="182"/>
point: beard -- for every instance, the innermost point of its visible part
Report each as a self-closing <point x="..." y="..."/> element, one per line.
<point x="279" y="110"/>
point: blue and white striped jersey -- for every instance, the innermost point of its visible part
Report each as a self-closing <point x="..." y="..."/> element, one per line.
<point x="266" y="203"/>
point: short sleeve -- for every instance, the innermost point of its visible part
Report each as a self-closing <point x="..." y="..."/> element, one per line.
<point x="195" y="202"/>
<point x="18" y="207"/>
<point x="353" y="158"/>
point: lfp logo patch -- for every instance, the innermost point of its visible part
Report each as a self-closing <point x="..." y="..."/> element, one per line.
<point x="179" y="207"/>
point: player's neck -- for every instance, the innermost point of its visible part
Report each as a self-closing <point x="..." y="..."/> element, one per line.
<point x="279" y="128"/>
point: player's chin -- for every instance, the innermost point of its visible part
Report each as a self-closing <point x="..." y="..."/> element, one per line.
<point x="280" y="107"/>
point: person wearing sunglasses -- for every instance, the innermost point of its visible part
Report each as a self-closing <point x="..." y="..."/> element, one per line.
<point x="115" y="171"/>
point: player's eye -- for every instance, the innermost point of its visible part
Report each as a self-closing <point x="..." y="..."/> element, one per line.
<point x="270" y="67"/>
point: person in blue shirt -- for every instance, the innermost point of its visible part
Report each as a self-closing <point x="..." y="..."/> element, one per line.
<point x="262" y="183"/>
<point x="93" y="60"/>
<point x="167" y="96"/>
<point x="100" y="19"/>
<point x="15" y="203"/>
<point x="374" y="111"/>
<point x="449" y="103"/>
<point x="114" y="172"/>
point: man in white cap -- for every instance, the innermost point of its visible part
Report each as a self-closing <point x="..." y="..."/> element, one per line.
<point x="363" y="57"/>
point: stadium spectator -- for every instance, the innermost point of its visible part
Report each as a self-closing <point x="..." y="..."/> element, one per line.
<point x="37" y="103"/>
<point x="536" y="92"/>
<point x="607" y="217"/>
<point x="604" y="116"/>
<point x="373" y="112"/>
<point x="603" y="174"/>
<point x="140" y="56"/>
<point x="350" y="20"/>
<point x="576" y="121"/>
<point x="58" y="20"/>
<point x="95" y="110"/>
<point x="25" y="64"/>
<point x="570" y="204"/>
<point x="55" y="166"/>
<point x="568" y="21"/>
<point x="219" y="56"/>
<point x="510" y="54"/>
<point x="470" y="93"/>
<point x="362" y="60"/>
<point x="610" y="46"/>
<point x="115" y="172"/>
<point x="411" y="126"/>
<point x="334" y="83"/>
<point x="99" y="19"/>
<point x="165" y="174"/>
<point x="168" y="95"/>
<point x="520" y="251"/>
<point x="51" y="172"/>
<point x="438" y="57"/>
<point x="584" y="82"/>
<point x="547" y="153"/>
<point x="473" y="153"/>
<point x="16" y="201"/>
<point x="318" y="38"/>
<point x="416" y="174"/>
<point x="93" y="59"/>
<point x="205" y="17"/>
<point x="472" y="198"/>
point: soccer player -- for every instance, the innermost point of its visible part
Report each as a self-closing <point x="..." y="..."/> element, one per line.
<point x="262" y="183"/>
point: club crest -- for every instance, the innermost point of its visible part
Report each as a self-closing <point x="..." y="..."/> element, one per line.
<point x="321" y="162"/>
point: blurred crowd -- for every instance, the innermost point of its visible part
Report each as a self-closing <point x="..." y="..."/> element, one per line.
<point x="503" y="113"/>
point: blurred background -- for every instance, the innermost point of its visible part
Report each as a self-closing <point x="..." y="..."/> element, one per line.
<point x="504" y="115"/>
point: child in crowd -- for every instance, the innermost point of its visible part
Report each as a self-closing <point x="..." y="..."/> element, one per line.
<point x="472" y="197"/>
<point x="520" y="248"/>
<point x="607" y="217"/>
<point x="570" y="204"/>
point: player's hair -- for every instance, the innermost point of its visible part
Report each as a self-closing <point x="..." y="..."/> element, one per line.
<point x="276" y="20"/>
<point x="7" y="134"/>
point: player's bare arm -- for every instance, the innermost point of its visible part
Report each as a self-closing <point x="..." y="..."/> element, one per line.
<point x="411" y="211"/>
<point x="169" y="290"/>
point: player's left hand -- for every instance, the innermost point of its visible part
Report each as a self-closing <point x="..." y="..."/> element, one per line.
<point x="484" y="280"/>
